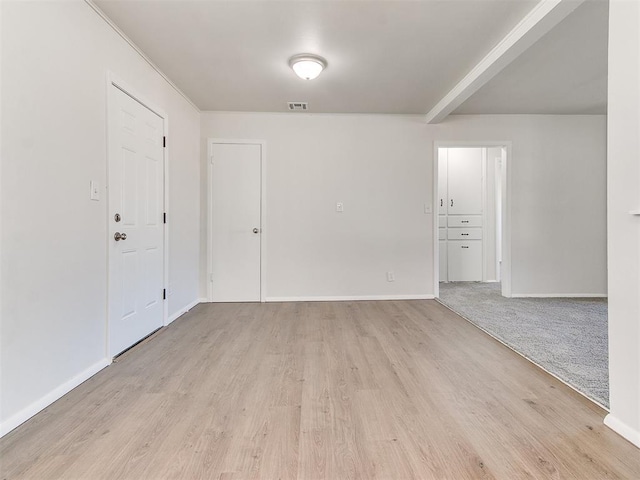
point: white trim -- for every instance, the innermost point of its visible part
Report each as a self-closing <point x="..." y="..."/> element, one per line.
<point x="485" y="223"/>
<point x="118" y="82"/>
<point x="39" y="405"/>
<point x="506" y="210"/>
<point x="622" y="429"/>
<point x="348" y="298"/>
<point x="263" y="210"/>
<point x="506" y="203"/>
<point x="436" y="222"/>
<point x="116" y="29"/>
<point x="184" y="310"/>
<point x="540" y="20"/>
<point x="115" y="81"/>
<point x="558" y="295"/>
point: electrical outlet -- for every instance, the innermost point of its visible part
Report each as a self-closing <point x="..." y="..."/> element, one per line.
<point x="339" y="207"/>
<point x="427" y="208"/>
<point x="391" y="277"/>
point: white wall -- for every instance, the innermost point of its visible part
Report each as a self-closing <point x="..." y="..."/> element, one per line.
<point x="55" y="57"/>
<point x="376" y="166"/>
<point x="381" y="168"/>
<point x="558" y="200"/>
<point x="624" y="229"/>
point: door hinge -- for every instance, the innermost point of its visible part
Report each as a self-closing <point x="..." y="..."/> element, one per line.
<point x="164" y="293"/>
<point x="164" y="142"/>
<point x="164" y="217"/>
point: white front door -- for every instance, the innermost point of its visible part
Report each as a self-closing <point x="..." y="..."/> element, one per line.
<point x="136" y="230"/>
<point x="235" y="222"/>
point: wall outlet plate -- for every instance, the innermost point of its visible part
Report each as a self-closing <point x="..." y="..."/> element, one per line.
<point x="95" y="190"/>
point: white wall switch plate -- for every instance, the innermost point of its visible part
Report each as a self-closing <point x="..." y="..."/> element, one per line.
<point x="95" y="190"/>
<point x="427" y="208"/>
<point x="339" y="207"/>
<point x="391" y="277"/>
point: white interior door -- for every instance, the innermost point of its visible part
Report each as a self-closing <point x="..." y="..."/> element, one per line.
<point x="136" y="200"/>
<point x="464" y="181"/>
<point x="235" y="222"/>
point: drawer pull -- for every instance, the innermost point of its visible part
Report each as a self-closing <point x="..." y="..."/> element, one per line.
<point x="464" y="246"/>
<point x="441" y="202"/>
<point x="464" y="234"/>
<point x="464" y="221"/>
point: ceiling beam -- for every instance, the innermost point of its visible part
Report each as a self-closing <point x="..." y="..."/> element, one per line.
<point x="540" y="20"/>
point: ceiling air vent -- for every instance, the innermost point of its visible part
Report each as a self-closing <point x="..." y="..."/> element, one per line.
<point x="298" y="106"/>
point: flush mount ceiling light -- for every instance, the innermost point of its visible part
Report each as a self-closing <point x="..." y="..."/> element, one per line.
<point x="307" y="66"/>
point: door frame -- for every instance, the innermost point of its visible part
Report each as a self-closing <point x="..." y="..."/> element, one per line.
<point x="506" y="210"/>
<point x="263" y="210"/>
<point x="113" y="81"/>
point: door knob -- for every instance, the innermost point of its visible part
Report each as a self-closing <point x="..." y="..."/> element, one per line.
<point x="255" y="230"/>
<point x="120" y="236"/>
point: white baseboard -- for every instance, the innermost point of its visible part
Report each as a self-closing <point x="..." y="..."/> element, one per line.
<point x="349" y="298"/>
<point x="184" y="310"/>
<point x="558" y="295"/>
<point x="39" y="405"/>
<point x="622" y="429"/>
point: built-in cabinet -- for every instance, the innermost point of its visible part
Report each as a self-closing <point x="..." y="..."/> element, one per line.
<point x="460" y="209"/>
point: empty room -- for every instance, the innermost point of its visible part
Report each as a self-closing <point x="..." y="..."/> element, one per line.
<point x="263" y="239"/>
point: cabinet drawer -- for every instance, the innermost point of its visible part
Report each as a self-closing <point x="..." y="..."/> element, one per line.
<point x="442" y="234"/>
<point x="464" y="221"/>
<point x="465" y="233"/>
<point x="464" y="260"/>
<point x="442" y="221"/>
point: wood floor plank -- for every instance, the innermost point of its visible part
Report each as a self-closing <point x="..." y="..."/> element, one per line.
<point x="348" y="390"/>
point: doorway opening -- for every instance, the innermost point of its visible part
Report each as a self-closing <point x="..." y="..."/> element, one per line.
<point x="471" y="241"/>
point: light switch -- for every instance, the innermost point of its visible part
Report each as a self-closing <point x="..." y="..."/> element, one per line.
<point x="339" y="207"/>
<point x="427" y="208"/>
<point x="95" y="190"/>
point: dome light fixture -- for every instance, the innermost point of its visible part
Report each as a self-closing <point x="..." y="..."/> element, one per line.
<point x="307" y="66"/>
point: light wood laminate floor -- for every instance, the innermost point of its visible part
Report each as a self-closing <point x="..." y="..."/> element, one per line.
<point x="387" y="390"/>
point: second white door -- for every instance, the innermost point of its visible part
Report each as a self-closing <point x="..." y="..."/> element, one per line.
<point x="236" y="230"/>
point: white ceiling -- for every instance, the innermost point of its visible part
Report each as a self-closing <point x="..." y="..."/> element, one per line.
<point x="565" y="72"/>
<point x="384" y="56"/>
